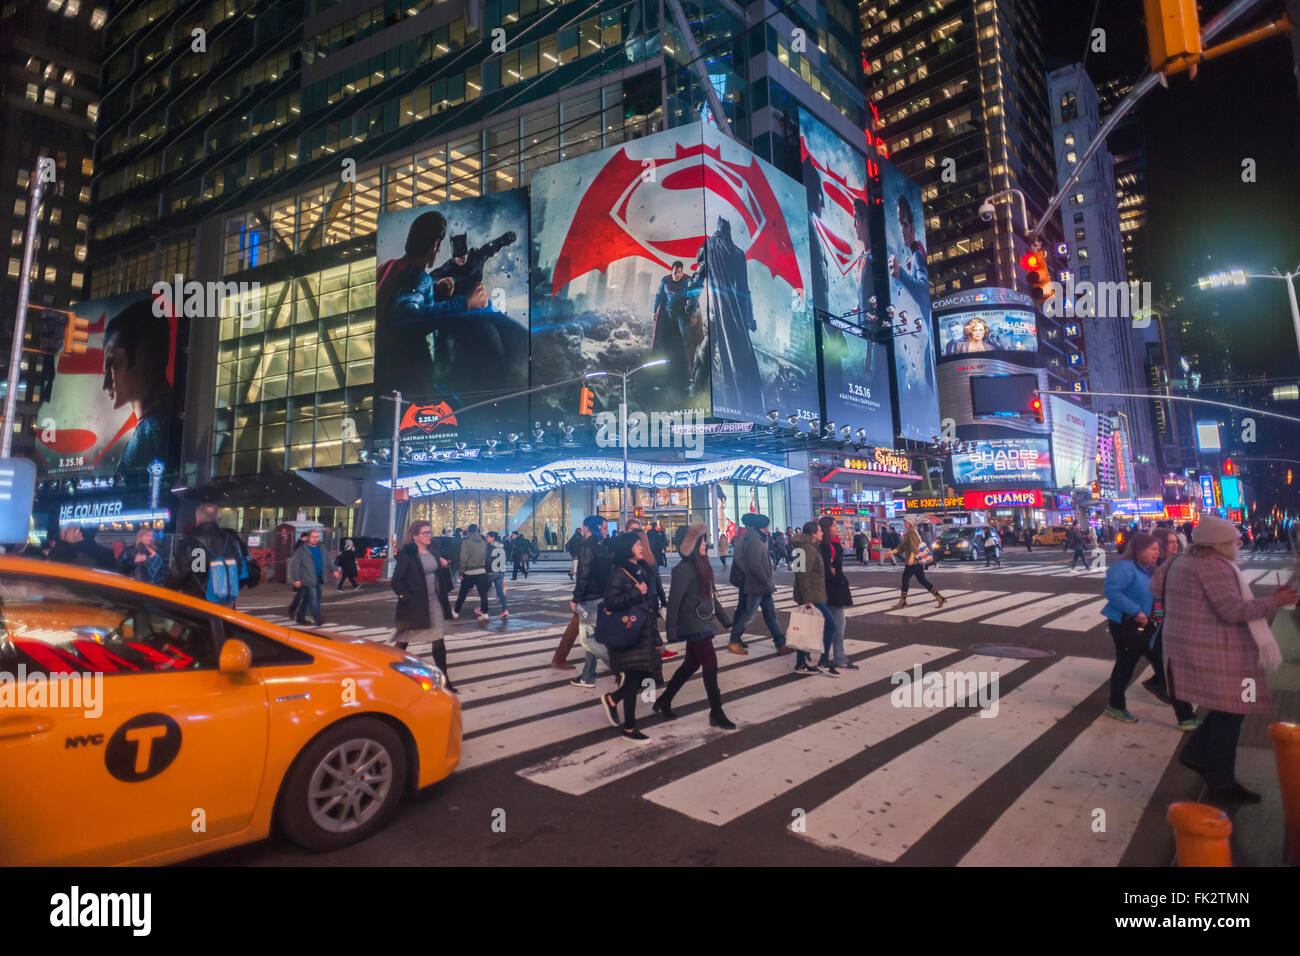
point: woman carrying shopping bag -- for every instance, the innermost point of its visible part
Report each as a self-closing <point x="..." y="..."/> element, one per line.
<point x="914" y="552"/>
<point x="810" y="591"/>
<point x="693" y="606"/>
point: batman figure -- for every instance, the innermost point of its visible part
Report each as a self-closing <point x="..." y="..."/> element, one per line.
<point x="465" y="267"/>
<point x="738" y="388"/>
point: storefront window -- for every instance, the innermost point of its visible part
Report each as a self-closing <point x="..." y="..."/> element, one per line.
<point x="493" y="508"/>
<point x="466" y="510"/>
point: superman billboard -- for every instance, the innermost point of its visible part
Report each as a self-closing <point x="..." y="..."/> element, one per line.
<point x="682" y="247"/>
<point x="113" y="409"/>
<point x="451" y="317"/>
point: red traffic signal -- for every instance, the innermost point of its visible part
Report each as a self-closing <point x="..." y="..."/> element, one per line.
<point x="1227" y="466"/>
<point x="1036" y="409"/>
<point x="1037" y="276"/>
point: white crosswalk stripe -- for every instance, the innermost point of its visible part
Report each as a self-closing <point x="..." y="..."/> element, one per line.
<point x="1081" y="618"/>
<point x="998" y="601"/>
<point x="1029" y="613"/>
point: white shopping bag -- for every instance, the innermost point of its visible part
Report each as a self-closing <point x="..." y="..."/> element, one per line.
<point x="806" y="630"/>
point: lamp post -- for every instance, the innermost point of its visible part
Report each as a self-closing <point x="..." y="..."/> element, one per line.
<point x="1238" y="277"/>
<point x="622" y="414"/>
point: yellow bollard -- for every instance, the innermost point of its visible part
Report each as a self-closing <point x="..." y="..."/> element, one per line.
<point x="1201" y="834"/>
<point x="1286" y="748"/>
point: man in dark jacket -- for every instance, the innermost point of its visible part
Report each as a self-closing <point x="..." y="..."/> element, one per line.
<point x="474" y="571"/>
<point x="208" y="548"/>
<point x="754" y="564"/>
<point x="67" y="549"/>
<point x="1074" y="541"/>
<point x="658" y="543"/>
<point x="100" y="556"/>
<point x="860" y="546"/>
<point x="595" y="562"/>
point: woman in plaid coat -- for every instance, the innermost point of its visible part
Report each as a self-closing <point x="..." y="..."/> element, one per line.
<point x="1217" y="646"/>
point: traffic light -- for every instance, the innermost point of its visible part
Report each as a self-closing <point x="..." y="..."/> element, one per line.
<point x="1288" y="476"/>
<point x="1096" y="488"/>
<point x="77" y="335"/>
<point x="1036" y="409"/>
<point x="52" y="328"/>
<point x="1173" y="35"/>
<point x="585" y="401"/>
<point x="1037" y="276"/>
<point x="1228" y="466"/>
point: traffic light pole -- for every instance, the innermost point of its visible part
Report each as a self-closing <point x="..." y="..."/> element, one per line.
<point x="20" y="320"/>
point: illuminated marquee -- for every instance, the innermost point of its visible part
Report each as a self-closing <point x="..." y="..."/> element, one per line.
<point x="883" y="462"/>
<point x="604" y="471"/>
<point x="979" y="500"/>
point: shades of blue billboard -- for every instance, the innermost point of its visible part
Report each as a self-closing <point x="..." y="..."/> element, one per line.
<point x="1004" y="463"/>
<point x="907" y="280"/>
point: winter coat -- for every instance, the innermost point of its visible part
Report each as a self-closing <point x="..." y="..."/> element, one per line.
<point x="810" y="583"/>
<point x="1127" y="590"/>
<point x="594" y="565"/>
<point x="302" y="567"/>
<point x="346" y="562"/>
<point x="408" y="584"/>
<point x="620" y="595"/>
<point x="473" y="554"/>
<point x="66" y="553"/>
<point x="724" y="545"/>
<point x="684" y="599"/>
<point x="654" y="587"/>
<point x="909" y="546"/>
<point x="219" y="544"/>
<point x="1208" y="648"/>
<point x="575" y="545"/>
<point x="838" y="591"/>
<point x="150" y="570"/>
<point x="753" y="559"/>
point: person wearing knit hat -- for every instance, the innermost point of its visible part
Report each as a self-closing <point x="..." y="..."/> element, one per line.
<point x="752" y="567"/>
<point x="692" y="607"/>
<point x="912" y="551"/>
<point x="1217" y="640"/>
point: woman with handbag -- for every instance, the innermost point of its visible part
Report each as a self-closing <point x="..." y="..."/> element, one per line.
<point x="629" y="627"/>
<point x="692" y="606"/>
<point x="421" y="581"/>
<point x="142" y="560"/>
<point x="913" y="551"/>
<point x="810" y="591"/>
<point x="838" y="593"/>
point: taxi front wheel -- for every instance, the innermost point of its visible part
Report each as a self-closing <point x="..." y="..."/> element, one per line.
<point x="344" y="786"/>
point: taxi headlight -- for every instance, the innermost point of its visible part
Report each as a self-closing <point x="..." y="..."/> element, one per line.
<point x="426" y="675"/>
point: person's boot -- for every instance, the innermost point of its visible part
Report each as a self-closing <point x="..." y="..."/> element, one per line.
<point x="716" y="717"/>
<point x="439" y="652"/>
<point x="902" y="602"/>
<point x="559" y="661"/>
<point x="939" y="599"/>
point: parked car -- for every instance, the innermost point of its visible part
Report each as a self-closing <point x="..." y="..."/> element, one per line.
<point x="960" y="543"/>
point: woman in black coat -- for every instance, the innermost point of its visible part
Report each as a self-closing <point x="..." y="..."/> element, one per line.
<point x="421" y="581"/>
<point x="347" y="564"/>
<point x="629" y="587"/>
<point x="692" y="607"/>
<point x="838" y="593"/>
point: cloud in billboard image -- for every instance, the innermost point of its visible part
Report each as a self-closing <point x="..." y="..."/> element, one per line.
<point x="963" y="333"/>
<point x="451" y="314"/>
<point x="1004" y="461"/>
<point x="680" y="246"/>
<point x="908" y="280"/>
<point x="112" y="409"/>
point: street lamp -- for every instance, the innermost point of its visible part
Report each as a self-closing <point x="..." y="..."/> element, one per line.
<point x="625" y="375"/>
<point x="1238" y="277"/>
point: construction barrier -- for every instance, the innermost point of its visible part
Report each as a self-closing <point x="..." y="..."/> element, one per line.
<point x="1201" y="834"/>
<point x="1286" y="748"/>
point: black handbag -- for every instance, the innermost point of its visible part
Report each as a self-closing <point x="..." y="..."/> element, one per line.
<point x="620" y="630"/>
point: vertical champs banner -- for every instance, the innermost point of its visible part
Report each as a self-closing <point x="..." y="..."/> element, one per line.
<point x="855" y="368"/>
<point x="680" y="246"/>
<point x="907" y="284"/>
<point x="451" y="316"/>
<point x="112" y="410"/>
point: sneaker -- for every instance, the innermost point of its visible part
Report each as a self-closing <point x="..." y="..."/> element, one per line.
<point x="1121" y="715"/>
<point x="803" y="670"/>
<point x="814" y="669"/>
<point x="504" y="615"/>
<point x="1190" y="724"/>
<point x="455" y="615"/>
<point x="634" y="734"/>
<point x="848" y="666"/>
<point x="830" y="671"/>
<point x="579" y="682"/>
<point x="611" y="709"/>
<point x="481" y="617"/>
<point x="667" y="655"/>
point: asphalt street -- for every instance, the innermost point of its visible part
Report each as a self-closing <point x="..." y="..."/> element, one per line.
<point x="826" y="771"/>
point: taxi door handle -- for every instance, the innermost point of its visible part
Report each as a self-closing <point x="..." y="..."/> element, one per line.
<point x="24" y="726"/>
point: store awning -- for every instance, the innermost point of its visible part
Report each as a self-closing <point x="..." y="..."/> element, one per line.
<point x="277" y="488"/>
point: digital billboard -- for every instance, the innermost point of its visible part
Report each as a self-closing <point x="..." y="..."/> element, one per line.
<point x="907" y="279"/>
<point x="1074" y="444"/>
<point x="857" y="385"/>
<point x="680" y="246"/>
<point x="1207" y="436"/>
<point x="112" y="410"/>
<point x="451" y="315"/>
<point x="1230" y="488"/>
<point x="957" y="400"/>
<point x="1004" y="461"/>
<point x="991" y="330"/>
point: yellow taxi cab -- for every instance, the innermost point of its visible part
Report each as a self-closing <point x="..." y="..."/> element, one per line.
<point x="140" y="726"/>
<point x="1050" y="537"/>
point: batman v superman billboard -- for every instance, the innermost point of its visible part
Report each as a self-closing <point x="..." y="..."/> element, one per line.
<point x="681" y="246"/>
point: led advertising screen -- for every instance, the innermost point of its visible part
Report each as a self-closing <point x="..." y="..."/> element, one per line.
<point x="991" y="330"/>
<point x="1207" y="437"/>
<point x="958" y="401"/>
<point x="1230" y="489"/>
<point x="679" y="246"/>
<point x="451" y="316"/>
<point x="1074" y="444"/>
<point x="907" y="278"/>
<point x="112" y="410"/>
<point x="1002" y="395"/>
<point x="1004" y="462"/>
<point x="857" y="385"/>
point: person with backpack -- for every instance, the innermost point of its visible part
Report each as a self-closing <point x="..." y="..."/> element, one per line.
<point x="346" y="562"/>
<point x="211" y="562"/>
<point x="693" y="605"/>
<point x="751" y="574"/>
<point x="627" y="591"/>
<point x="473" y="572"/>
<point x="860" y="546"/>
<point x="307" y="572"/>
<point x="574" y="546"/>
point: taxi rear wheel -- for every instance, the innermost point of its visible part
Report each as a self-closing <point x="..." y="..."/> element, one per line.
<point x="344" y="786"/>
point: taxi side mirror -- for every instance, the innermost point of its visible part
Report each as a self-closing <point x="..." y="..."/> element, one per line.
<point x="235" y="658"/>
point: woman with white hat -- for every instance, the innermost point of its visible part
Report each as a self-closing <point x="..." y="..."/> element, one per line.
<point x="1217" y="648"/>
<point x="913" y="564"/>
